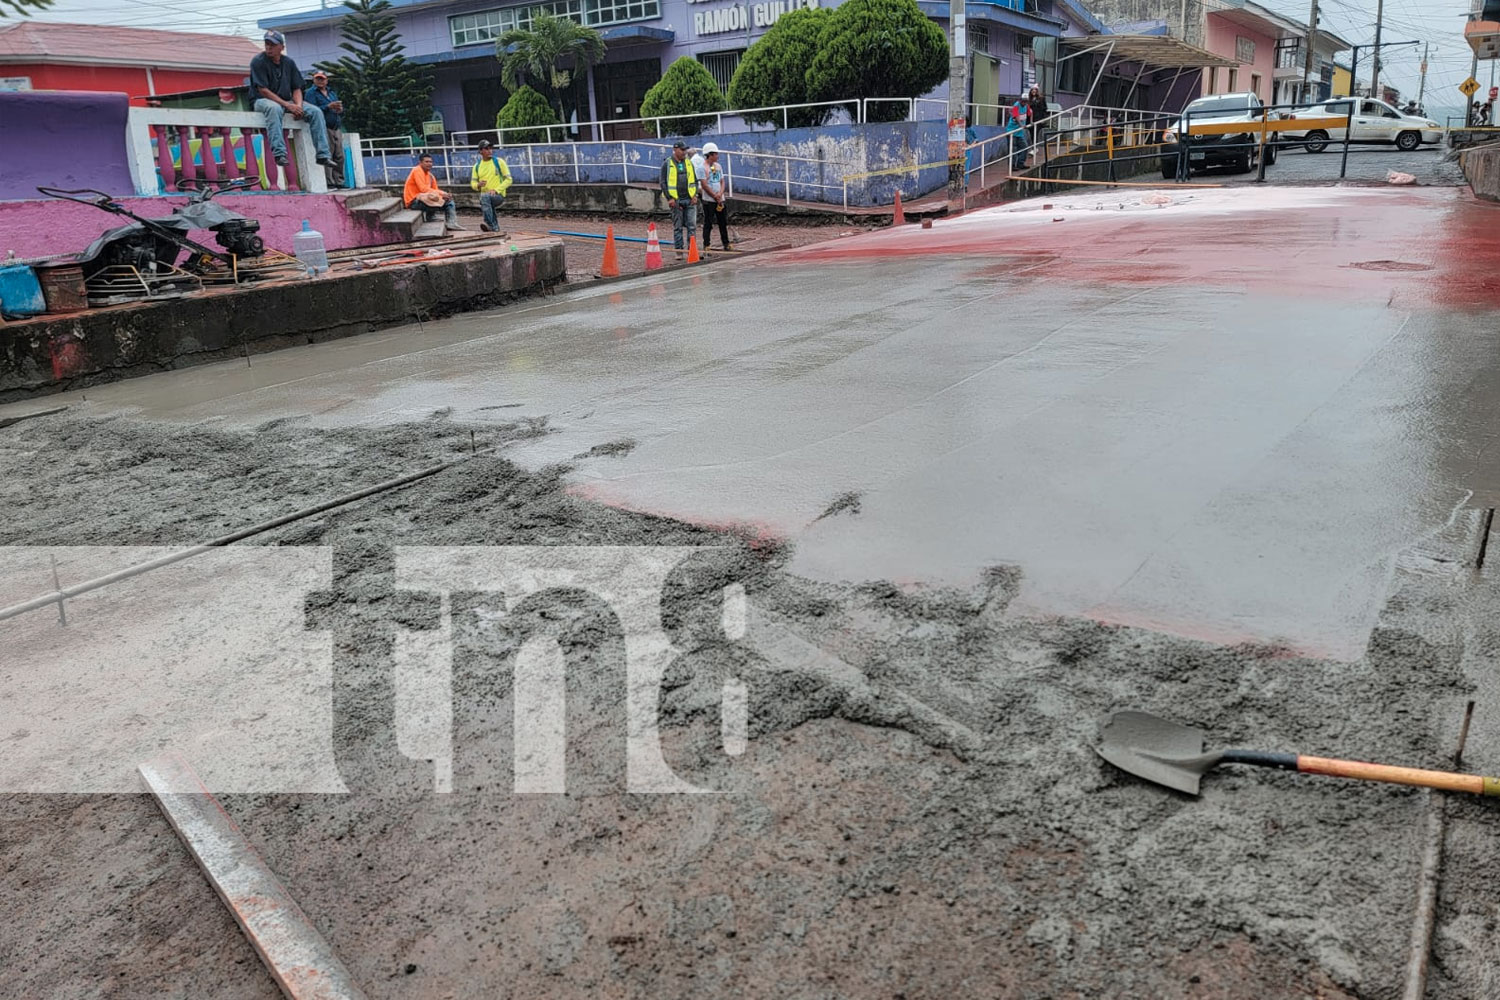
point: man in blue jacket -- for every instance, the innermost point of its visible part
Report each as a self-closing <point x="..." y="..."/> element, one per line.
<point x="327" y="98"/>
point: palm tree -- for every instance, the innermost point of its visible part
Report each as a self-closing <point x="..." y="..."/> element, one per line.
<point x="19" y="6"/>
<point x="531" y="55"/>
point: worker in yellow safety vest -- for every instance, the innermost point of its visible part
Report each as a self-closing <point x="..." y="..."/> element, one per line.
<point x="679" y="185"/>
<point x="491" y="178"/>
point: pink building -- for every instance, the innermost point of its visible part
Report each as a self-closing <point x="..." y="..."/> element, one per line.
<point x="1268" y="49"/>
<point x="1248" y="35"/>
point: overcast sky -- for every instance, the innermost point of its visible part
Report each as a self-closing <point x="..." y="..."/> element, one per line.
<point x="1439" y="22"/>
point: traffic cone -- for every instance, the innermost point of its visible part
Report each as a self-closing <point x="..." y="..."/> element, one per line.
<point x="611" y="266"/>
<point x="653" y="248"/>
<point x="900" y="219"/>
<point x="692" y="250"/>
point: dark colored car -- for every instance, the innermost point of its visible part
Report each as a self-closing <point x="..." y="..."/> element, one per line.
<point x="1238" y="150"/>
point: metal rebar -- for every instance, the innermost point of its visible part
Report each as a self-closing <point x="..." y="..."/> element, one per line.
<point x="1485" y="525"/>
<point x="77" y="589"/>
<point x="62" y="612"/>
<point x="1427" y="882"/>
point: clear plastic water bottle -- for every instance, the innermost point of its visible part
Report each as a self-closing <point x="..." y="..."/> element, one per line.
<point x="308" y="245"/>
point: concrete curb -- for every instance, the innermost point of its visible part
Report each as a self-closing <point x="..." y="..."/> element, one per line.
<point x="76" y="350"/>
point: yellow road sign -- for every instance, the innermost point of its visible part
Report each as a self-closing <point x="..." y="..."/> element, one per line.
<point x="1469" y="86"/>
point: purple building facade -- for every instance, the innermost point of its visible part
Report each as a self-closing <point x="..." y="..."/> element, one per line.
<point x="1012" y="42"/>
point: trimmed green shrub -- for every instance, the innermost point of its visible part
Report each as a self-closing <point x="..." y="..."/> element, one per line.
<point x="878" y="48"/>
<point x="774" y="70"/>
<point x="526" y="108"/>
<point x="685" y="89"/>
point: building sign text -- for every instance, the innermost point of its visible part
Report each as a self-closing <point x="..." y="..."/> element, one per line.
<point x="739" y="17"/>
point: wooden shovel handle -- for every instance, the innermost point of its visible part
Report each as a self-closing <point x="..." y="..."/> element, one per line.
<point x="1445" y="780"/>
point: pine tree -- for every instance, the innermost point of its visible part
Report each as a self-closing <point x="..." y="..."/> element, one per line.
<point x="19" y="6"/>
<point x="383" y="94"/>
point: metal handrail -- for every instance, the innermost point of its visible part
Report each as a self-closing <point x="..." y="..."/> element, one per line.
<point x="656" y="121"/>
<point x="527" y="158"/>
<point x="656" y="148"/>
<point x="859" y="105"/>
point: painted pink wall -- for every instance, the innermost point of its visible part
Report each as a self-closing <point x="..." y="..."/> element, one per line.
<point x="1221" y="34"/>
<point x="41" y="228"/>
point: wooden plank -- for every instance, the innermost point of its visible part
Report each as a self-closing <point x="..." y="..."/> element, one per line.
<point x="1271" y="125"/>
<point x="299" y="959"/>
<point x="1171" y="185"/>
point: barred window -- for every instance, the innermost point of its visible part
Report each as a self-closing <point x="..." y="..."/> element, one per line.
<point x="470" y="29"/>
<point x="603" y="12"/>
<point x="488" y="25"/>
<point x="721" y="66"/>
<point x="572" y="9"/>
<point x="979" y="38"/>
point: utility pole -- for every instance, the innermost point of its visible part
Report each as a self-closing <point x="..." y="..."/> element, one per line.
<point x="1422" y="80"/>
<point x="1307" y="62"/>
<point x="958" y="105"/>
<point x="1375" y="76"/>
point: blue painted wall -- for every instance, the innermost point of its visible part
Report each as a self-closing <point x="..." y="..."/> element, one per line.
<point x="870" y="157"/>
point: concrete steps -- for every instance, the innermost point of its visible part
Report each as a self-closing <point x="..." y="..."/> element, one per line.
<point x="385" y="210"/>
<point x="434" y="230"/>
<point x="361" y="197"/>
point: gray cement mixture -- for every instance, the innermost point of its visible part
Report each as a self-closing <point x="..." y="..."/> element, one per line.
<point x="937" y="825"/>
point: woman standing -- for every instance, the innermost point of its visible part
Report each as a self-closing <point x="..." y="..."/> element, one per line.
<point x="1038" y="107"/>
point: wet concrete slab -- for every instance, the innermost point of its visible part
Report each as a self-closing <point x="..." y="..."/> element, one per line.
<point x="1223" y="416"/>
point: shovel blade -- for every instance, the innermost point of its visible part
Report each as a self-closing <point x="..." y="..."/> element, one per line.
<point x="1156" y="749"/>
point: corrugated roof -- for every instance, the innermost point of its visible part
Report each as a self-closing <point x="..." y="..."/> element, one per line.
<point x="89" y="44"/>
<point x="1155" y="51"/>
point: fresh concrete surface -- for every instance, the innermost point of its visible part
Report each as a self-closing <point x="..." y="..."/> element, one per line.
<point x="1259" y="394"/>
<point x="1141" y="405"/>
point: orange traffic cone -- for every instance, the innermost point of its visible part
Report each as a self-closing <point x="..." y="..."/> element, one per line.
<point x="900" y="219"/>
<point x="611" y="266"/>
<point x="692" y="250"/>
<point x="653" y="248"/>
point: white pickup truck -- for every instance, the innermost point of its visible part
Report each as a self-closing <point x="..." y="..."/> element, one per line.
<point x="1374" y="121"/>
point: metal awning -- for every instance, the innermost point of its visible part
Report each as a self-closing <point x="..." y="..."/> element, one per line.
<point x="637" y="34"/>
<point x="1018" y="21"/>
<point x="1152" y="51"/>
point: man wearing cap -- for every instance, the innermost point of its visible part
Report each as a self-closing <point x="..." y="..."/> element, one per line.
<point x="276" y="85"/>
<point x="423" y="194"/>
<point x="491" y="178"/>
<point x="327" y="100"/>
<point x="679" y="185"/>
<point x="711" y="185"/>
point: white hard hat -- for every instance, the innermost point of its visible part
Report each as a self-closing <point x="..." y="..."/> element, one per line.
<point x="709" y="147"/>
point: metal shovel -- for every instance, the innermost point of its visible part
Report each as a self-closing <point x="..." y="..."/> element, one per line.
<point x="1172" y="755"/>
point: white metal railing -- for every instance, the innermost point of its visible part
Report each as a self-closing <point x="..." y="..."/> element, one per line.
<point x="1132" y="128"/>
<point x="771" y="169"/>
<point x="639" y="160"/>
<point x="857" y="109"/>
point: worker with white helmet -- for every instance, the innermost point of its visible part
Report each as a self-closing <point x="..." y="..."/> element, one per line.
<point x="715" y="193"/>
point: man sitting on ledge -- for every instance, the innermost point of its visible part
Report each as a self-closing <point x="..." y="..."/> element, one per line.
<point x="422" y="192"/>
<point x="276" y="85"/>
